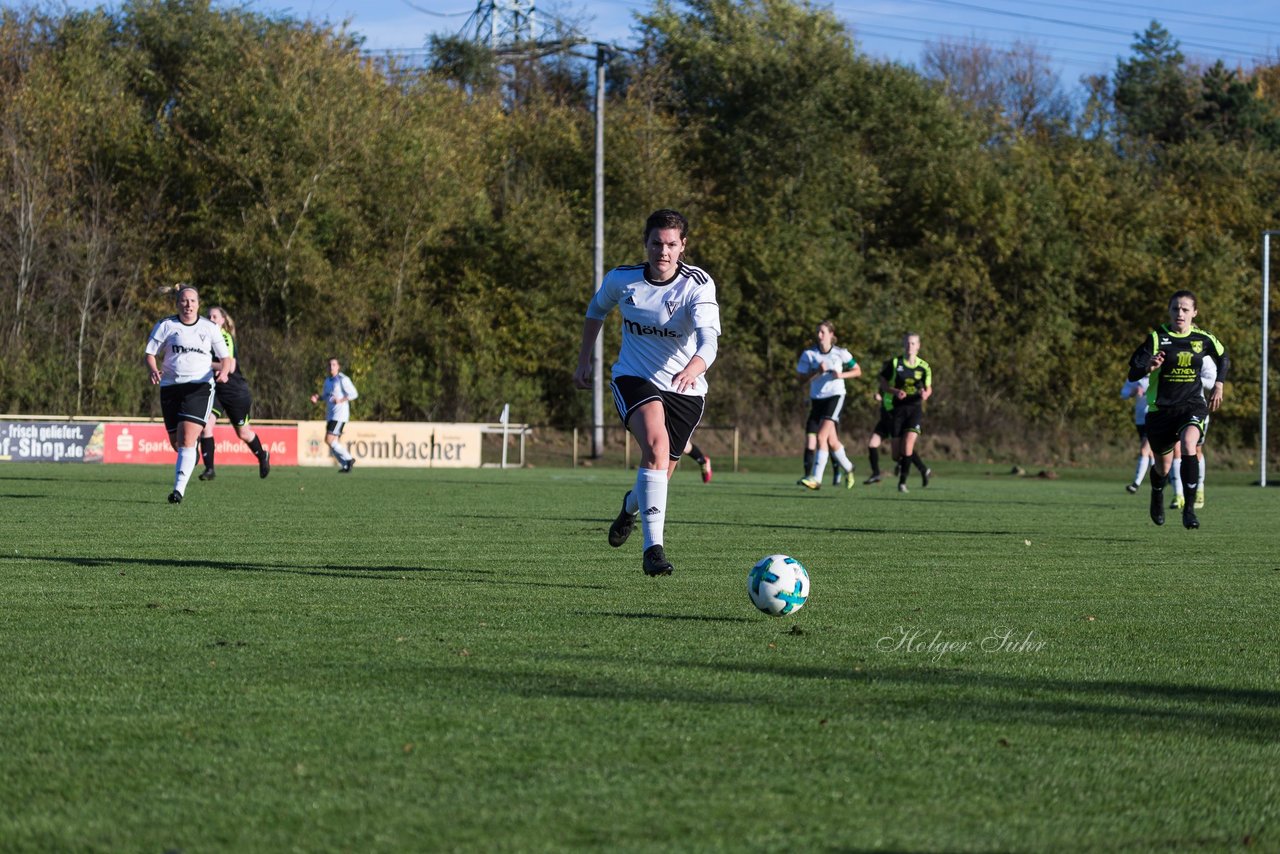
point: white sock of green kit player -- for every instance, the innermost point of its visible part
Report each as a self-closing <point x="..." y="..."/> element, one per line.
<point x="651" y="498"/>
<point x="819" y="464"/>
<point x="186" y="465"/>
<point x="1144" y="463"/>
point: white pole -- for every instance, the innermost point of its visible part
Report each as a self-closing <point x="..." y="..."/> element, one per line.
<point x="597" y="357"/>
<point x="1266" y="341"/>
<point x="505" y="418"/>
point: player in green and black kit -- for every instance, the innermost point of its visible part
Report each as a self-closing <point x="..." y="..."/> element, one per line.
<point x="1177" y="410"/>
<point x="233" y="402"/>
<point x="908" y="380"/>
<point x="882" y="430"/>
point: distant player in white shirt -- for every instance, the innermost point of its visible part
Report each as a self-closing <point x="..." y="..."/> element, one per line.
<point x="670" y="327"/>
<point x="337" y="394"/>
<point x="1137" y="389"/>
<point x="186" y="344"/>
<point x="825" y="368"/>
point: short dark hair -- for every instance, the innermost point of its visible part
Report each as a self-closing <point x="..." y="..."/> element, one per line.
<point x="1177" y="295"/>
<point x="665" y="218"/>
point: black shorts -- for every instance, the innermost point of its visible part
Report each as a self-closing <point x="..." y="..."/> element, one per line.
<point x="884" y="427"/>
<point x="905" y="418"/>
<point x="1165" y="426"/>
<point x="823" y="409"/>
<point x="232" y="401"/>
<point x="334" y="428"/>
<point x="682" y="411"/>
<point x="186" y="402"/>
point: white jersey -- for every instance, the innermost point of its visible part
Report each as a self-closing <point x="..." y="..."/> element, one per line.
<point x="835" y="359"/>
<point x="335" y="387"/>
<point x="659" y="321"/>
<point x="1138" y="390"/>
<point x="186" y="351"/>
<point x="1208" y="375"/>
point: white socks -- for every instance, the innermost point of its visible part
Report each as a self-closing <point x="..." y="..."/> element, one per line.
<point x="842" y="459"/>
<point x="650" y="494"/>
<point x="186" y="465"/>
<point x="1175" y="475"/>
<point x="339" y="451"/>
<point x="1144" y="463"/>
<point x="819" y="464"/>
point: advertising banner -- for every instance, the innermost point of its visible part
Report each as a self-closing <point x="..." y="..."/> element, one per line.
<point x="400" y="445"/>
<point x="50" y="442"/>
<point x="149" y="443"/>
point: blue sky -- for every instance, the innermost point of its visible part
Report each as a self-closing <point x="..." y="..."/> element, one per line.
<point x="1080" y="36"/>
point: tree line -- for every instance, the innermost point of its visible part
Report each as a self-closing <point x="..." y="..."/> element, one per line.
<point x="433" y="226"/>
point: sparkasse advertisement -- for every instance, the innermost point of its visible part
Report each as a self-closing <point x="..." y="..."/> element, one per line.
<point x="149" y="443"/>
<point x="399" y="445"/>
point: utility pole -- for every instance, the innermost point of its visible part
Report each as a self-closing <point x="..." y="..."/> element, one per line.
<point x="603" y="55"/>
<point x="499" y="24"/>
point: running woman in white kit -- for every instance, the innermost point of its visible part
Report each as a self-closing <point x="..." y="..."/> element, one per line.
<point x="337" y="394"/>
<point x="186" y="344"/>
<point x="825" y="368"/>
<point x="670" y="328"/>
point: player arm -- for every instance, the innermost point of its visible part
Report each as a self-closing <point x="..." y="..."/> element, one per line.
<point x="708" y="341"/>
<point x="591" y="327"/>
<point x="349" y="392"/>
<point x="153" y="370"/>
<point x="1141" y="362"/>
<point x="1223" y="362"/>
<point x="851" y="370"/>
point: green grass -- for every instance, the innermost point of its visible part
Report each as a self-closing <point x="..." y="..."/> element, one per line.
<point x="403" y="661"/>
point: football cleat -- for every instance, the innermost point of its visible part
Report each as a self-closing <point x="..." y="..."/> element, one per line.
<point x="1131" y="488"/>
<point x="1199" y="502"/>
<point x="902" y="487"/>
<point x="1189" y="520"/>
<point x="809" y="483"/>
<point x="875" y="478"/>
<point x="208" y="474"/>
<point x="346" y="467"/>
<point x="175" y="497"/>
<point x="264" y="463"/>
<point x="924" y="477"/>
<point x="1157" y="506"/>
<point x="655" y="562"/>
<point x="622" y="526"/>
<point x="1177" y="502"/>
<point x="849" y="479"/>
<point x="706" y="469"/>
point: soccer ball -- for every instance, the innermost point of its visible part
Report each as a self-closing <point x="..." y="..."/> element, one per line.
<point x="778" y="585"/>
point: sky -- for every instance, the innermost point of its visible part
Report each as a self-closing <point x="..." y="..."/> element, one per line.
<point x="1079" y="37"/>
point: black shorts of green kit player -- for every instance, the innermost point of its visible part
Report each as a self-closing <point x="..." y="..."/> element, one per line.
<point x="186" y="402"/>
<point x="823" y="409"/>
<point x="1165" y="426"/>
<point x="906" y="418"/>
<point x="884" y="427"/>
<point x="232" y="401"/>
<point x="683" y="411"/>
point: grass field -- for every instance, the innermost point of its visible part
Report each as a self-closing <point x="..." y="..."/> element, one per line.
<point x="412" y="661"/>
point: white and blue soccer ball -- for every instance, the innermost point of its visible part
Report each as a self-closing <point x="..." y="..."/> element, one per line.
<point x="778" y="585"/>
